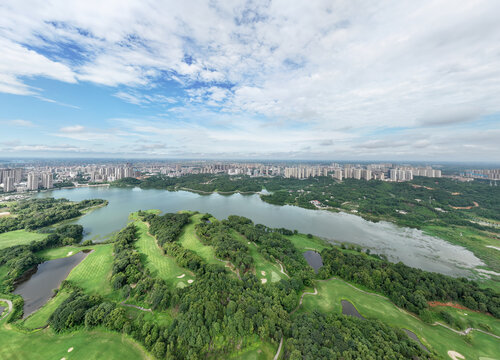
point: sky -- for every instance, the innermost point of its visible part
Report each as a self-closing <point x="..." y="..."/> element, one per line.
<point x="318" y="80"/>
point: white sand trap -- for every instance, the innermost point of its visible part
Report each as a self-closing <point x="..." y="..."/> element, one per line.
<point x="263" y="273"/>
<point x="70" y="349"/>
<point x="63" y="358"/>
<point x="455" y="355"/>
<point x="70" y="253"/>
<point x="190" y="281"/>
<point x="181" y="276"/>
<point x="249" y="243"/>
<point x="263" y="280"/>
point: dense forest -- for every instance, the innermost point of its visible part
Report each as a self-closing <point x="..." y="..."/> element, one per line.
<point x="407" y="287"/>
<point x="33" y="214"/>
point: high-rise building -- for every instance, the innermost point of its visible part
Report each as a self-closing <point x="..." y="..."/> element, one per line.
<point x="32" y="181"/>
<point x="8" y="184"/>
<point x="47" y="180"/>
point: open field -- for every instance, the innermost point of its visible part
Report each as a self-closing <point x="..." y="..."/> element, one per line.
<point x="304" y="243"/>
<point x="372" y="306"/>
<point x="19" y="237"/>
<point x="464" y="319"/>
<point x="87" y="345"/>
<point x="262" y="266"/>
<point x="190" y="241"/>
<point x="256" y="351"/>
<point x="93" y="273"/>
<point x="40" y="318"/>
<point x="160" y="265"/>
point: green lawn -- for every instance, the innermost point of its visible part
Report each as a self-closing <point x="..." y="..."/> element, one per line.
<point x="304" y="243"/>
<point x="40" y="318"/>
<point x="87" y="345"/>
<point x="331" y="292"/>
<point x="160" y="265"/>
<point x="60" y="252"/>
<point x="464" y="319"/>
<point x="190" y="241"/>
<point x="19" y="237"/>
<point x="257" y="351"/>
<point x="94" y="272"/>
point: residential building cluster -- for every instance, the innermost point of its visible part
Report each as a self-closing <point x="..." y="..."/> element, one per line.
<point x="488" y="174"/>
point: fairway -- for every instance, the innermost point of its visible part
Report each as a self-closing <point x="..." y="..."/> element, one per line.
<point x="304" y="243"/>
<point x="93" y="273"/>
<point x="87" y="345"/>
<point x="60" y="252"/>
<point x="160" y="265"/>
<point x="190" y="241"/>
<point x="371" y="306"/>
<point x="263" y="268"/>
<point x="19" y="237"/>
<point x="40" y="318"/>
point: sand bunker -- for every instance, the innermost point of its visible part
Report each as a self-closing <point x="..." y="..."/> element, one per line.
<point x="263" y="273"/>
<point x="455" y="355"/>
<point x="190" y="281"/>
<point x="70" y="349"/>
<point x="263" y="280"/>
<point x="181" y="276"/>
<point x="249" y="243"/>
<point x="69" y="254"/>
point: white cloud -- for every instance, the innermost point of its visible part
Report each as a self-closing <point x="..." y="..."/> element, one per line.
<point x="18" y="123"/>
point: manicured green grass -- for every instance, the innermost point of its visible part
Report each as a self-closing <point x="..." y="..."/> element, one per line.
<point x="60" y="252"/>
<point x="160" y="265"/>
<point x="190" y="241"/>
<point x="437" y="338"/>
<point x="263" y="268"/>
<point x="87" y="345"/>
<point x="94" y="272"/>
<point x="464" y="319"/>
<point x="304" y="243"/>
<point x="19" y="237"/>
<point x="40" y="318"/>
<point x="256" y="351"/>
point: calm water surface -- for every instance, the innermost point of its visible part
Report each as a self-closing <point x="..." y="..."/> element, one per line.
<point x="410" y="246"/>
<point x="349" y="309"/>
<point x="314" y="260"/>
<point x="39" y="288"/>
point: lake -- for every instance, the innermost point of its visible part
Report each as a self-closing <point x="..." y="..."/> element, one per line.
<point x="39" y="287"/>
<point x="314" y="260"/>
<point x="410" y="246"/>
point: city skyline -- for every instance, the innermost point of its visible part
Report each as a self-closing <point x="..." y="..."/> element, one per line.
<point x="251" y="80"/>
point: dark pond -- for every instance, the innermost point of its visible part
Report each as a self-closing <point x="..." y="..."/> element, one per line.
<point x="39" y="287"/>
<point x="1" y="310"/>
<point x="314" y="260"/>
<point x="413" y="336"/>
<point x="349" y="309"/>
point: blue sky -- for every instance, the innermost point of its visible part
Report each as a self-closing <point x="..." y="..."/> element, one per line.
<point x="398" y="80"/>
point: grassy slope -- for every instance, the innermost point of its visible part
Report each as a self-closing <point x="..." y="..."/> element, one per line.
<point x="303" y="243"/>
<point x="93" y="274"/>
<point x="190" y="241"/>
<point x="160" y="265"/>
<point x="465" y="319"/>
<point x="19" y="237"/>
<point x="256" y="351"/>
<point x="60" y="252"/>
<point x="436" y="337"/>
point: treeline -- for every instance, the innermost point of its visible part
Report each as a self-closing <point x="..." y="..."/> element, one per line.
<point x="20" y="258"/>
<point x="199" y="182"/>
<point x="407" y="287"/>
<point x="317" y="336"/>
<point x="37" y="213"/>
<point x="273" y="246"/>
<point x="217" y="235"/>
<point x="166" y="228"/>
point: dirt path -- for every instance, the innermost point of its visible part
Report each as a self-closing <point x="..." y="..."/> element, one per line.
<point x="281" y="268"/>
<point x="135" y="306"/>
<point x="302" y="298"/>
<point x="279" y="349"/>
<point x="9" y="303"/>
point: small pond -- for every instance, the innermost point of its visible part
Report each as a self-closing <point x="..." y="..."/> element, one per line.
<point x="349" y="309"/>
<point x="413" y="336"/>
<point x="38" y="288"/>
<point x="314" y="260"/>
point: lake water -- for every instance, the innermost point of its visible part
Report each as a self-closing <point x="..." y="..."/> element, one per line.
<point x="410" y="246"/>
<point x="314" y="260"/>
<point x="349" y="309"/>
<point x="39" y="287"/>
